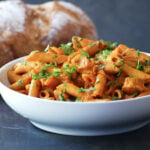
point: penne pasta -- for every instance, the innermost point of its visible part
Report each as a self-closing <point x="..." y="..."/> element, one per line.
<point x="21" y="83"/>
<point x="34" y="88"/>
<point x="13" y="77"/>
<point x="46" y="57"/>
<point x="83" y="70"/>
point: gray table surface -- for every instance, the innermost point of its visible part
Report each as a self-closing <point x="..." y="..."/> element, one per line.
<point x="124" y="21"/>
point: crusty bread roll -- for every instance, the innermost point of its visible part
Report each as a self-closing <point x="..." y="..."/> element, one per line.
<point x="25" y="27"/>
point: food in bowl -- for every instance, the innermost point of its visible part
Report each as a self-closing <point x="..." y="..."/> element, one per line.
<point x="83" y="70"/>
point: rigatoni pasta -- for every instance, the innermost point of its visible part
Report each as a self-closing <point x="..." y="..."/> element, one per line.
<point x="83" y="70"/>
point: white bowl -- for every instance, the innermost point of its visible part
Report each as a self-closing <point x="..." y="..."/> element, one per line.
<point x="77" y="118"/>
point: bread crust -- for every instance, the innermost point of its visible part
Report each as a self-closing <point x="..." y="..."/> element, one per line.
<point x="26" y="27"/>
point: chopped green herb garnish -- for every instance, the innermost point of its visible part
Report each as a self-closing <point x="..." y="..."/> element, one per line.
<point x="24" y="63"/>
<point x="81" y="90"/>
<point x="74" y="41"/>
<point x="56" y="72"/>
<point x="60" y="96"/>
<point x="115" y="65"/>
<point x="19" y="82"/>
<point x="36" y="84"/>
<point x="139" y="66"/>
<point x="132" y="76"/>
<point x="79" y="45"/>
<point x="92" y="44"/>
<point x="79" y="39"/>
<point x="105" y="53"/>
<point x="40" y="76"/>
<point x="113" y="45"/>
<point x="110" y="83"/>
<point x="147" y="62"/>
<point x="51" y="64"/>
<point x="78" y="99"/>
<point x="110" y="45"/>
<point x="120" y="71"/>
<point x="43" y="69"/>
<point x="35" y="51"/>
<point x="97" y="80"/>
<point x="74" y="36"/>
<point x="135" y="94"/>
<point x="69" y="70"/>
<point x="85" y="54"/>
<point x="86" y="90"/>
<point x="117" y="83"/>
<point x="47" y="48"/>
<point x="121" y="61"/>
<point x="68" y="49"/>
<point x="138" y="53"/>
<point x="101" y="67"/>
<point x="115" y="98"/>
<point x="54" y="56"/>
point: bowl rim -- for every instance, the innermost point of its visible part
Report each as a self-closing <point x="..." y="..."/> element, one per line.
<point x="64" y="102"/>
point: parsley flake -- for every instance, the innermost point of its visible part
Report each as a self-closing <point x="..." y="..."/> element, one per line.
<point x="78" y="99"/>
<point x="47" y="48"/>
<point x="147" y="62"/>
<point x="60" y="96"/>
<point x="54" y="56"/>
<point x="36" y="85"/>
<point x="69" y="70"/>
<point x="85" y="54"/>
<point x="135" y="94"/>
<point x="79" y="45"/>
<point x="120" y="71"/>
<point x="51" y="64"/>
<point x="138" y="53"/>
<point x="101" y="67"/>
<point x="68" y="49"/>
<point x="105" y="53"/>
<point x="97" y="80"/>
<point x="132" y="76"/>
<point x="85" y="90"/>
<point x="92" y="44"/>
<point x="139" y="66"/>
<point x="19" y="82"/>
<point x="56" y="72"/>
<point x="109" y="44"/>
<point x="115" y="98"/>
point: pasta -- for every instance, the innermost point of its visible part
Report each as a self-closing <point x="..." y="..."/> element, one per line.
<point x="83" y="70"/>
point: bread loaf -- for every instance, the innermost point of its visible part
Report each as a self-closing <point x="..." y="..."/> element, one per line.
<point x="25" y="27"/>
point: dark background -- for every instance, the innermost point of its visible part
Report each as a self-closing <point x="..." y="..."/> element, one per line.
<point x="124" y="21"/>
